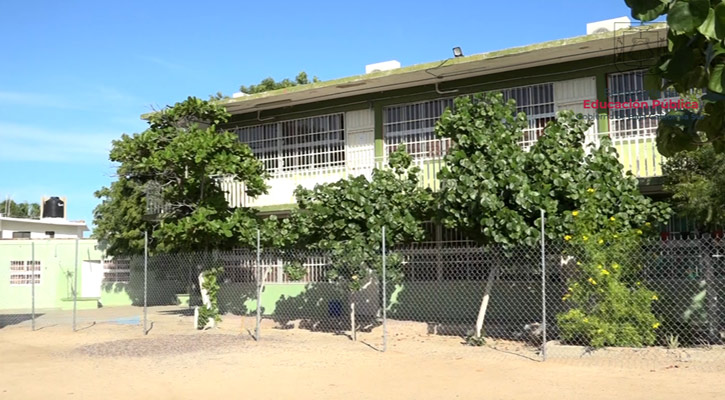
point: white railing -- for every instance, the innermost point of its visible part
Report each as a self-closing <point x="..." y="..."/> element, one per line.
<point x="283" y="182"/>
<point x="637" y="153"/>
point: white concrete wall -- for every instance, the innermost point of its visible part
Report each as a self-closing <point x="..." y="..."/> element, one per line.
<point x="37" y="230"/>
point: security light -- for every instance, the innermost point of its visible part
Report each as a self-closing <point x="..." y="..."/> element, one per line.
<point x="457" y="52"/>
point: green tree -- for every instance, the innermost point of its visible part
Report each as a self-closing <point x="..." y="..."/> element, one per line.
<point x="346" y="218"/>
<point x="696" y="180"/>
<point x="695" y="60"/>
<point x="10" y="208"/>
<point x="175" y="164"/>
<point x="218" y="96"/>
<point x="494" y="191"/>
<point x="268" y="84"/>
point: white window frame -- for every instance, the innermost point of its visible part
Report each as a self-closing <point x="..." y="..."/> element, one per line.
<point x="288" y="146"/>
<point x="633" y="122"/>
<point x="23" y="274"/>
<point x="414" y="123"/>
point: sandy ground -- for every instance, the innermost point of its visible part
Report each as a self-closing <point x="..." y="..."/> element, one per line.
<point x="113" y="361"/>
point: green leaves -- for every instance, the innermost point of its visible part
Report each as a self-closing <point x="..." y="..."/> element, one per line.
<point x="346" y="218"/>
<point x="181" y="154"/>
<point x="268" y="84"/>
<point x="717" y="79"/>
<point x="685" y="16"/>
<point x="719" y="20"/>
<point x="696" y="180"/>
<point x="647" y="10"/>
<point x="494" y="190"/>
<point x="694" y="62"/>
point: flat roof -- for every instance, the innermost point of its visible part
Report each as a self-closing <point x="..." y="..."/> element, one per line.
<point x="540" y="54"/>
<point x="47" y="221"/>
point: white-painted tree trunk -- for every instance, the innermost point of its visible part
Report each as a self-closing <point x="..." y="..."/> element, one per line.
<point x="205" y="300"/>
<point x="352" y="321"/>
<point x="486" y="296"/>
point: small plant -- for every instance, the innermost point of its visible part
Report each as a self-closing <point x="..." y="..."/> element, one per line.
<point x="295" y="270"/>
<point x="211" y="285"/>
<point x="476" y="341"/>
<point x="672" y="341"/>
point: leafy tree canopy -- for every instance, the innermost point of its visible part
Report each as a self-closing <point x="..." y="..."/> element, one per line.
<point x="494" y="190"/>
<point x="696" y="180"/>
<point x="175" y="164"/>
<point x="270" y="84"/>
<point x="346" y="217"/>
<point x="10" y="208"/>
<point x="695" y="60"/>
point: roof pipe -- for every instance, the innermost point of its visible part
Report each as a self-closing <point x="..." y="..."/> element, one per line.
<point x="439" y="91"/>
<point x="260" y="119"/>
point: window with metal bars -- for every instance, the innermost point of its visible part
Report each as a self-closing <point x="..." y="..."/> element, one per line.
<point x="23" y="272"/>
<point x="414" y="123"/>
<point x="305" y="143"/>
<point x="537" y="102"/>
<point x="633" y="122"/>
<point x="117" y="271"/>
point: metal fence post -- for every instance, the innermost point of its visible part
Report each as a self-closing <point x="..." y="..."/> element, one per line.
<point x="385" y="297"/>
<point x="145" y="280"/>
<point x="32" y="263"/>
<point x="259" y="292"/>
<point x="543" y="287"/>
<point x="75" y="288"/>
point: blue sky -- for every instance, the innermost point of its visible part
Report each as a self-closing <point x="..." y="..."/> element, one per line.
<point x="75" y="75"/>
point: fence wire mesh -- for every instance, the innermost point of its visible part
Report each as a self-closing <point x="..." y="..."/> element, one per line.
<point x="654" y="298"/>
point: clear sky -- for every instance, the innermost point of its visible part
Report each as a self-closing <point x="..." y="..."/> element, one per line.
<point x="74" y="75"/>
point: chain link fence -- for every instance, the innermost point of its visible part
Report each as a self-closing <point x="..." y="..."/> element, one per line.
<point x="556" y="301"/>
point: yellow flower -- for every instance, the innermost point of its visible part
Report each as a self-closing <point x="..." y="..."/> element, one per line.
<point x="578" y="263"/>
<point x="566" y="296"/>
<point x="647" y="224"/>
<point x="575" y="213"/>
<point x="567" y="237"/>
<point x="639" y="231"/>
<point x="612" y="219"/>
<point x="570" y="289"/>
<point x="655" y="325"/>
<point x="590" y="190"/>
<point x="592" y="281"/>
<point x="585" y="320"/>
<point x="604" y="272"/>
<point x="600" y="266"/>
<point x="654" y="297"/>
<point x="585" y="238"/>
<point x="615" y="236"/>
<point x="601" y="241"/>
<point x="615" y="266"/>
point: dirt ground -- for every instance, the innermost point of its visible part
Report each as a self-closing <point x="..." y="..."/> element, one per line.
<point x="116" y="361"/>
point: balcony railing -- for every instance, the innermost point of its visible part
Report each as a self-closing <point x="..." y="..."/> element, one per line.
<point x="637" y="153"/>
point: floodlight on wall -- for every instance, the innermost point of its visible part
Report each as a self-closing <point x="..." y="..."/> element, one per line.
<point x="457" y="52"/>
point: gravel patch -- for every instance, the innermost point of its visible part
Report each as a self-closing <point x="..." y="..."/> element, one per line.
<point x="167" y="345"/>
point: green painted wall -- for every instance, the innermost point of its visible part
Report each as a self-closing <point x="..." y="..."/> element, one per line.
<point x="57" y="257"/>
<point x="280" y="299"/>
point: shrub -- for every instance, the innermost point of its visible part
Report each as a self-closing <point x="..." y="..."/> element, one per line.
<point x="609" y="305"/>
<point x="211" y="284"/>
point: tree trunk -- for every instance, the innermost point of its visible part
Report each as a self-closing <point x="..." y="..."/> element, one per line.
<point x="205" y="300"/>
<point x="486" y="296"/>
<point x="713" y="309"/>
<point x="352" y="321"/>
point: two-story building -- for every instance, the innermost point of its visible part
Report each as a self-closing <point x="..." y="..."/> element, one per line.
<point x="325" y="131"/>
